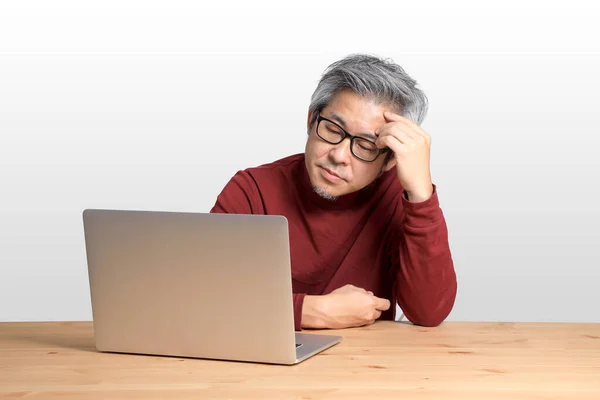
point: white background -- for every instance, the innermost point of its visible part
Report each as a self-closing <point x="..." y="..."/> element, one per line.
<point x="156" y="104"/>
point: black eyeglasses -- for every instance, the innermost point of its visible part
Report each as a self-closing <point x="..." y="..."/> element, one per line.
<point x="361" y="148"/>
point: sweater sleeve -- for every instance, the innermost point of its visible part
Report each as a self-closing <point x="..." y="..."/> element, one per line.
<point x="425" y="280"/>
<point x="239" y="196"/>
<point x="242" y="196"/>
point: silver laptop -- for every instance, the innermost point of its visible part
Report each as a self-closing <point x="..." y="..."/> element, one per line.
<point x="215" y="286"/>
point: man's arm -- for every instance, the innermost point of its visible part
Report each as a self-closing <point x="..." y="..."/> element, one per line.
<point x="241" y="196"/>
<point x="425" y="279"/>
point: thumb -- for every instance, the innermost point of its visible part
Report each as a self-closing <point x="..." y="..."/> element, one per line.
<point x="382" y="304"/>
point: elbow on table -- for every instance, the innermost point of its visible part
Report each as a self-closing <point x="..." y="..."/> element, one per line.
<point x="429" y="321"/>
<point x="431" y="316"/>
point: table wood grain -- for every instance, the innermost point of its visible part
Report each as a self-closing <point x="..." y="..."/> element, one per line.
<point x="456" y="360"/>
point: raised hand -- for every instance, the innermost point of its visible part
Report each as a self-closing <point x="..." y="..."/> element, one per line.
<point x="411" y="146"/>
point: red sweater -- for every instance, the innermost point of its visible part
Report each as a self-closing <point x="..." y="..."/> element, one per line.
<point x="374" y="238"/>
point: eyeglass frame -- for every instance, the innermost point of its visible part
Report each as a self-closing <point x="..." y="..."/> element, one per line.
<point x="347" y="135"/>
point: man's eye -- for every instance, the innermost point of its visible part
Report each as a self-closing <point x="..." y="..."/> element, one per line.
<point x="367" y="146"/>
<point x="334" y="129"/>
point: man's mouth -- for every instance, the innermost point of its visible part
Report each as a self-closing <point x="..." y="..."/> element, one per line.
<point x="330" y="175"/>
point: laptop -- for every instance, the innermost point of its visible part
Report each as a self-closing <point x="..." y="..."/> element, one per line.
<point x="212" y="286"/>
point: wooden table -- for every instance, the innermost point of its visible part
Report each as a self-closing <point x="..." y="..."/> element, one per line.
<point x="457" y="360"/>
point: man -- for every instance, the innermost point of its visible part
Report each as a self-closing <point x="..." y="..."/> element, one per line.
<point x="366" y="229"/>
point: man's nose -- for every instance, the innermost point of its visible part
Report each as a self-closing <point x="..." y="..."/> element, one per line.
<point x="340" y="153"/>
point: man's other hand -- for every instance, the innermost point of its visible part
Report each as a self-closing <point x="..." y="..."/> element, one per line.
<point x="346" y="307"/>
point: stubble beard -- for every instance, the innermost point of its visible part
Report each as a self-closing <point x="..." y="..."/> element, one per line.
<point x="322" y="192"/>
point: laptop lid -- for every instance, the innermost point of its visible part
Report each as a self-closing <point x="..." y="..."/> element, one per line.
<point x="191" y="284"/>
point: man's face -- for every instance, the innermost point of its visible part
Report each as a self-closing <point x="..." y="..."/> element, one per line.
<point x="332" y="168"/>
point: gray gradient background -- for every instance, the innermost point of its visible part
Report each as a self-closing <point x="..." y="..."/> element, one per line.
<point x="155" y="105"/>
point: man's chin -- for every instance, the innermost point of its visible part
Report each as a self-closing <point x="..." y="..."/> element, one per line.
<point x="324" y="193"/>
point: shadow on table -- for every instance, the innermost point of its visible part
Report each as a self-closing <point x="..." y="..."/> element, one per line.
<point x="52" y="340"/>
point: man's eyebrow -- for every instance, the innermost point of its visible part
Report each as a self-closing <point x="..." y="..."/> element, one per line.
<point x="341" y="121"/>
<point x="338" y="119"/>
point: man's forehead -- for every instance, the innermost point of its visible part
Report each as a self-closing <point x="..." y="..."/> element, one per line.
<point x="352" y="108"/>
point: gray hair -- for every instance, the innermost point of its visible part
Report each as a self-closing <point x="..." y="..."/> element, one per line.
<point x="375" y="78"/>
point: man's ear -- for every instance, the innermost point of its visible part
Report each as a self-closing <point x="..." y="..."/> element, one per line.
<point x="308" y="122"/>
<point x="391" y="163"/>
